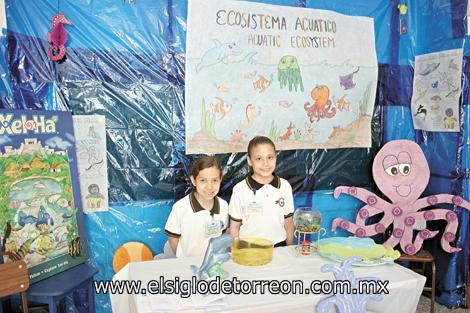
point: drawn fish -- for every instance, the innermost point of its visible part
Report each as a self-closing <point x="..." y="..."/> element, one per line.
<point x="26" y="219"/>
<point x="39" y="185"/>
<point x="221" y="107"/>
<point x="285" y="103"/>
<point x="342" y="104"/>
<point x="222" y="88"/>
<point x="250" y="75"/>
<point x="429" y="69"/>
<point x="262" y="83"/>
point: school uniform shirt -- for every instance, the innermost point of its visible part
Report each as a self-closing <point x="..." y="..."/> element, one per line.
<point x="261" y="209"/>
<point x="194" y="226"/>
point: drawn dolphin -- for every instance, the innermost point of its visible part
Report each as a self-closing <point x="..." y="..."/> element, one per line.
<point x="216" y="254"/>
<point x="219" y="53"/>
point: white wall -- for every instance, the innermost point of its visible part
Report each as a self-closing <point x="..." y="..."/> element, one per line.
<point x="3" y="19"/>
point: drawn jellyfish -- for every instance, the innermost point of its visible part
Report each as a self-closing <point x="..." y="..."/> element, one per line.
<point x="288" y="73"/>
<point x="401" y="172"/>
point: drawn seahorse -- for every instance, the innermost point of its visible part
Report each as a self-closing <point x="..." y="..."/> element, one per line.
<point x="250" y="113"/>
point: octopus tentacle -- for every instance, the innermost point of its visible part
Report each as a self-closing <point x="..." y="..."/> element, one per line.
<point x="410" y="247"/>
<point x="329" y="111"/>
<point x="441" y="198"/>
<point x="451" y="228"/>
<point x="357" y="230"/>
<point x="364" y="195"/>
<point x="365" y="212"/>
<point x="391" y="242"/>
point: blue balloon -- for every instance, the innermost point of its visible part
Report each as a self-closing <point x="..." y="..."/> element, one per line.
<point x="347" y="302"/>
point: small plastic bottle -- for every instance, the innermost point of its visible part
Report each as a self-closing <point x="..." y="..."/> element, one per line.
<point x="305" y="247"/>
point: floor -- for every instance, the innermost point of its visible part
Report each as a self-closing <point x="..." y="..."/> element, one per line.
<point x="424" y="306"/>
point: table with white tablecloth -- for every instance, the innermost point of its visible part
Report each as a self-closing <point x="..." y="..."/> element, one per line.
<point x="404" y="286"/>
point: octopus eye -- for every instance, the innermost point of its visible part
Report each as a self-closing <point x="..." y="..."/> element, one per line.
<point x="404" y="169"/>
<point x="392" y="170"/>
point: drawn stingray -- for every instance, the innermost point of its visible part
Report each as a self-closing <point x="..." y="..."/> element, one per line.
<point x="429" y="69"/>
<point x="346" y="81"/>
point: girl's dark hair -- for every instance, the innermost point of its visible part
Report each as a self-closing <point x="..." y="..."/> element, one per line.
<point x="259" y="140"/>
<point x="203" y="163"/>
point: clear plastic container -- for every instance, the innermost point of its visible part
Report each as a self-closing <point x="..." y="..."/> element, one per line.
<point x="252" y="251"/>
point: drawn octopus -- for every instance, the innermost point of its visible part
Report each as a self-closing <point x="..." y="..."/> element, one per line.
<point x="401" y="172"/>
<point x="322" y="104"/>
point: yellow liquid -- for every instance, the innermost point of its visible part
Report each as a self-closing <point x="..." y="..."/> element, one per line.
<point x="252" y="251"/>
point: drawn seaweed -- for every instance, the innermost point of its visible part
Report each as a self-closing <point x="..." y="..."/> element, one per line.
<point x="207" y="119"/>
<point x="274" y="133"/>
<point x="364" y="102"/>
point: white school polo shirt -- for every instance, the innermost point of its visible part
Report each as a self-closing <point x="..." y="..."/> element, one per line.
<point x="194" y="226"/>
<point x="261" y="209"/>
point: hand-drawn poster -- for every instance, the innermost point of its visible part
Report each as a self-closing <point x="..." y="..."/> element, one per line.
<point x="305" y="78"/>
<point x="39" y="192"/>
<point x="436" y="91"/>
<point x="90" y="138"/>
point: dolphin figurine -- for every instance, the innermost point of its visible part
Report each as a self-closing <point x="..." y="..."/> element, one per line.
<point x="216" y="254"/>
<point x="219" y="53"/>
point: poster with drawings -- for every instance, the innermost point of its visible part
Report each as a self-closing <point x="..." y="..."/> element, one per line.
<point x="40" y="207"/>
<point x="90" y="140"/>
<point x="436" y="91"/>
<point x="304" y="78"/>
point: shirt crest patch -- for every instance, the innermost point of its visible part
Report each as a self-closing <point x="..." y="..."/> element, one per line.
<point x="280" y="202"/>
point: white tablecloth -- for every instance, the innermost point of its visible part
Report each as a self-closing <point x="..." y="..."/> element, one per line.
<point x="405" y="286"/>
